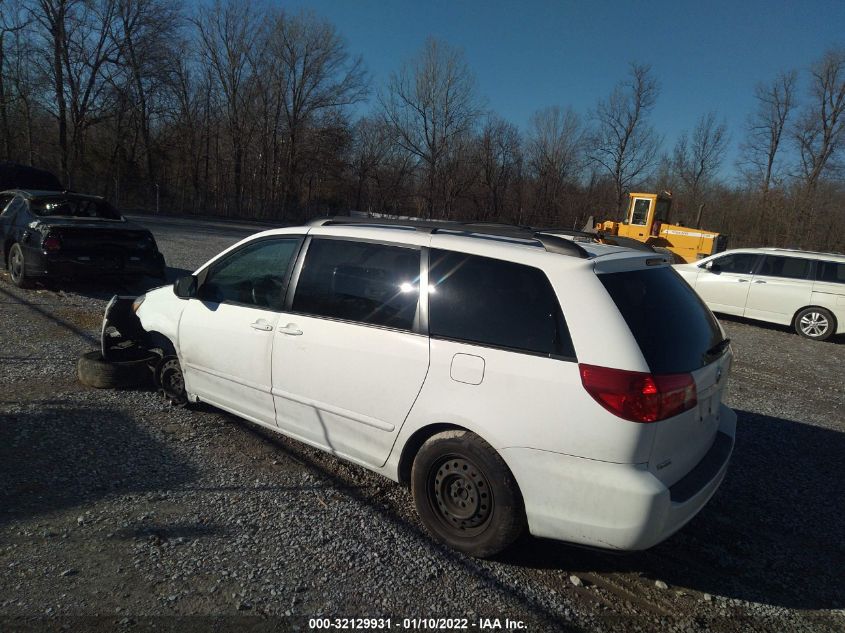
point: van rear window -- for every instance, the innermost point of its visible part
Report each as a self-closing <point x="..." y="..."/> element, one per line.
<point x="832" y="272"/>
<point x="674" y="329"/>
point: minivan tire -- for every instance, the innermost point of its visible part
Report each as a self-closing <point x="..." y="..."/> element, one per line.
<point x="466" y="495"/>
<point x="94" y="371"/>
<point x="170" y="381"/>
<point x="815" y="323"/>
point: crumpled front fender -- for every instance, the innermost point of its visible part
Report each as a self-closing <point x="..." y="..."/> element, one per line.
<point x="120" y="325"/>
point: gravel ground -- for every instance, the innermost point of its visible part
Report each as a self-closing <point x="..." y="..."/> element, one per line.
<point x="118" y="512"/>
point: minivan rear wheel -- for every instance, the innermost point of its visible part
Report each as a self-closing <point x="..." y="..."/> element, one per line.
<point x="466" y="495"/>
<point x="815" y="323"/>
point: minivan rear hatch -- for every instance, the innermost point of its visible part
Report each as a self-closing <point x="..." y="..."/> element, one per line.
<point x="677" y="334"/>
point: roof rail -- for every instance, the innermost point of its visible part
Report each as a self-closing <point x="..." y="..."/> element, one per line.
<point x="551" y="240"/>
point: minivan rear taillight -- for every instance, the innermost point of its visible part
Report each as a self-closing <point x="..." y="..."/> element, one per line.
<point x="638" y="396"/>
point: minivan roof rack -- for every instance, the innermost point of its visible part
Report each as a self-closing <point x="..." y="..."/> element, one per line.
<point x="551" y="239"/>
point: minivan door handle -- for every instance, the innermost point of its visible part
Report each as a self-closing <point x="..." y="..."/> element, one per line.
<point x="742" y="281"/>
<point x="262" y="325"/>
<point x="290" y="329"/>
<point x="759" y="281"/>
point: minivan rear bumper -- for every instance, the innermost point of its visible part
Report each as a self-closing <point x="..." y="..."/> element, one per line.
<point x="614" y="506"/>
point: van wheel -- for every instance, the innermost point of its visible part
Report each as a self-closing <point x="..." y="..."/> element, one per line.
<point x="465" y="494"/>
<point x="815" y="323"/>
<point x="171" y="382"/>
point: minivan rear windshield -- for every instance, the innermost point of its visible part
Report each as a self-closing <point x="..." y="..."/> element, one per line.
<point x="674" y="329"/>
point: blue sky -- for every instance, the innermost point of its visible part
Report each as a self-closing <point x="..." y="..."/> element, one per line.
<point x="531" y="54"/>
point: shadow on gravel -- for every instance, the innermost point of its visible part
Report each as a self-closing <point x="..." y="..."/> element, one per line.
<point x="771" y="534"/>
<point x="162" y="533"/>
<point x="369" y="497"/>
<point x="63" y="457"/>
<point x="35" y="307"/>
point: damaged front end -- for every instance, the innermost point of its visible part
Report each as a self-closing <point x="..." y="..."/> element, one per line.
<point x="122" y="333"/>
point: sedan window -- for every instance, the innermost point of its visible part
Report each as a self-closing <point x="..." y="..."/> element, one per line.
<point x="255" y="275"/>
<point x="16" y="204"/>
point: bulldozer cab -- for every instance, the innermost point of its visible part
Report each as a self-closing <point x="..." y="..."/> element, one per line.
<point x="647" y="208"/>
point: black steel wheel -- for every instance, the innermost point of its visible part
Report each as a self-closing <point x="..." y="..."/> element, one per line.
<point x="465" y="494"/>
<point x="171" y="381"/>
<point x="17" y="267"/>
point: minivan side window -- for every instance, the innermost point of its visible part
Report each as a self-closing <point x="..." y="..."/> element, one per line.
<point x="254" y="275"/>
<point x="789" y="267"/>
<point x="495" y="303"/>
<point x="364" y="282"/>
<point x="831" y="272"/>
<point x="735" y="263"/>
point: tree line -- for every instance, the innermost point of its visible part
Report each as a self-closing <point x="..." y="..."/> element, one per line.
<point x="244" y="110"/>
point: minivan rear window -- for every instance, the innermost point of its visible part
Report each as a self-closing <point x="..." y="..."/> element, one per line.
<point x="674" y="329"/>
<point x="833" y="272"/>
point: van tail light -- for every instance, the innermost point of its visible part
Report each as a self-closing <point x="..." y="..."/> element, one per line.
<point x="638" y="396"/>
<point x="51" y="243"/>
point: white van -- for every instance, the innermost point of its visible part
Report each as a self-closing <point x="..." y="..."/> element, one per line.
<point x="799" y="288"/>
<point x="512" y="378"/>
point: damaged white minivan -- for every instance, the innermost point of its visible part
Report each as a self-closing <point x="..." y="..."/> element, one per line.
<point x="514" y="379"/>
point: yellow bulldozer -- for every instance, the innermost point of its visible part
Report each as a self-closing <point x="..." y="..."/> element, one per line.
<point x="647" y="221"/>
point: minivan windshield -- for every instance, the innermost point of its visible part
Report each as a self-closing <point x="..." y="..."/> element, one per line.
<point x="674" y="329"/>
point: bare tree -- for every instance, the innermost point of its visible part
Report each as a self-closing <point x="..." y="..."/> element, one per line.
<point x="499" y="154"/>
<point x="554" y="155"/>
<point x="146" y="33"/>
<point x="228" y="34"/>
<point x="698" y="156"/>
<point x="12" y="22"/>
<point x="625" y="145"/>
<point x="765" y="128"/>
<point x="316" y="77"/>
<point x="431" y="102"/>
<point x="52" y="15"/>
<point x="820" y="128"/>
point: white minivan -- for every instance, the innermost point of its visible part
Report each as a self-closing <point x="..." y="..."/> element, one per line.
<point x="512" y="378"/>
<point x="803" y="289"/>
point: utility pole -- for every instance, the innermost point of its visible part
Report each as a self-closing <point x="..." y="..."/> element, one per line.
<point x="157" y="199"/>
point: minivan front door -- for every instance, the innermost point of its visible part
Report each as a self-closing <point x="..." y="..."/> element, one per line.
<point x="724" y="286"/>
<point x="226" y="332"/>
<point x="347" y="361"/>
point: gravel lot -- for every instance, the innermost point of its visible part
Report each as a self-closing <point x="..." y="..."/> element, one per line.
<point x="118" y="512"/>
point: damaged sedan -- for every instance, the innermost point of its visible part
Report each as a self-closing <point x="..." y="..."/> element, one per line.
<point x="51" y="234"/>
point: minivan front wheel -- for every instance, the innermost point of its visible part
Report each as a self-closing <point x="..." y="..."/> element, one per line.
<point x="465" y="494"/>
<point x="815" y="323"/>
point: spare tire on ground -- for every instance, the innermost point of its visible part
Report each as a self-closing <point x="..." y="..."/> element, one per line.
<point x="94" y="371"/>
